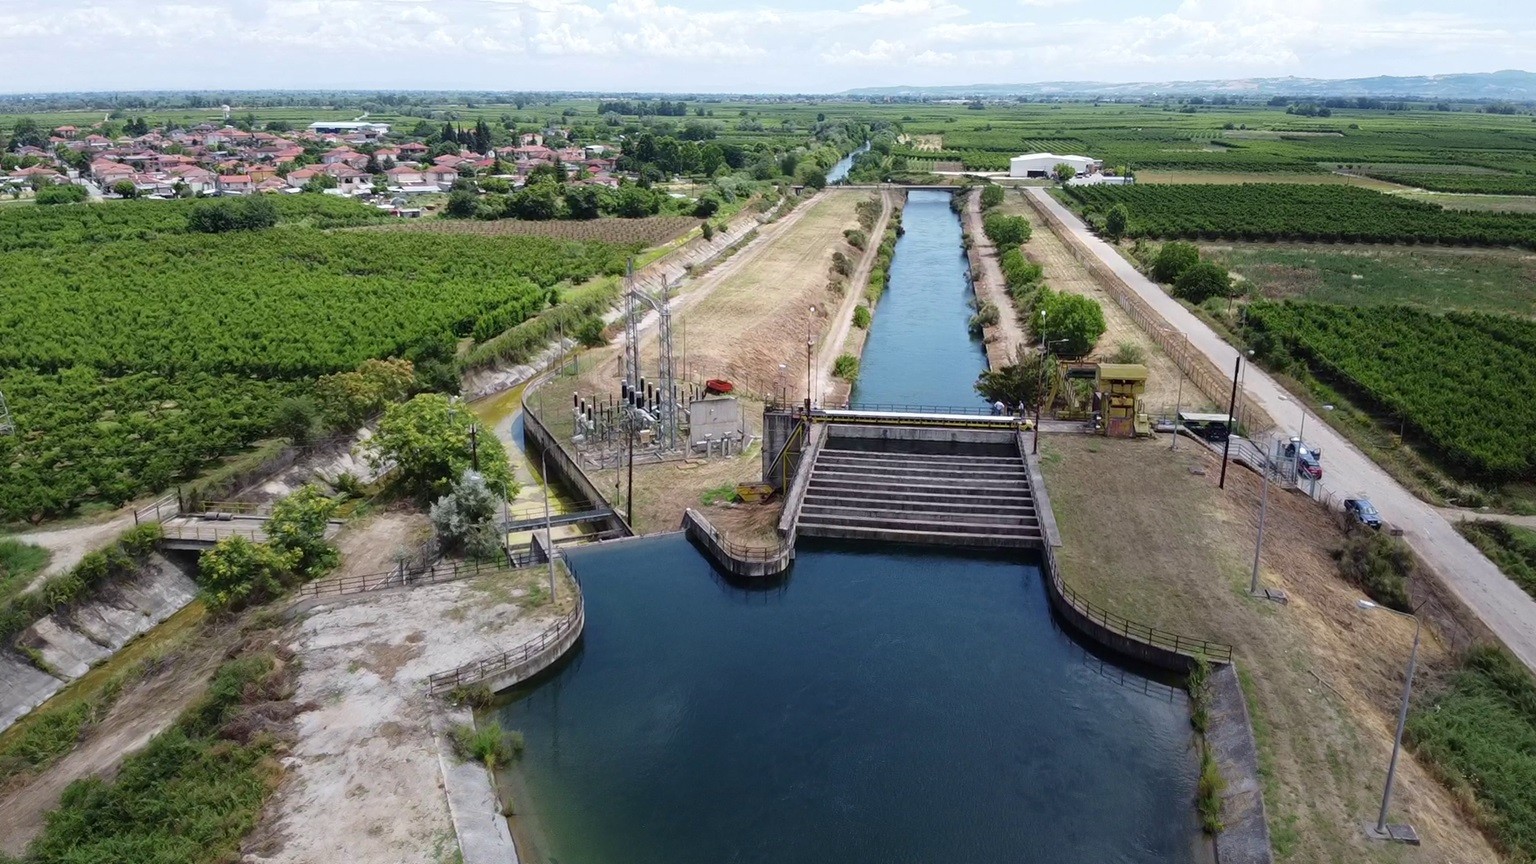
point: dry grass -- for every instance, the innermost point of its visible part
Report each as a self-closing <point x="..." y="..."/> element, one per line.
<point x="1063" y="272"/>
<point x="1228" y="178"/>
<point x="1485" y="203"/>
<point x="1148" y="537"/>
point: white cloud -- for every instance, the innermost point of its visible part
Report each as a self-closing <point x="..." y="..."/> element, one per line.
<point x="753" y="45"/>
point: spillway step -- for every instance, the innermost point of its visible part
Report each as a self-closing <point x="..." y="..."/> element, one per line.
<point x="881" y="516"/>
<point x="888" y="469"/>
<point x="943" y="504"/>
<point x="920" y="522"/>
<point x="938" y="538"/>
<point x="921" y="459"/>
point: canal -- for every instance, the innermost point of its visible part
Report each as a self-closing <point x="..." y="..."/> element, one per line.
<point x="839" y="172"/>
<point x="881" y="703"/>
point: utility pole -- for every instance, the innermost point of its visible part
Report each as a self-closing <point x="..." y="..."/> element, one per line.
<point x="1226" y="447"/>
<point x="1178" y="402"/>
<point x="1258" y="546"/>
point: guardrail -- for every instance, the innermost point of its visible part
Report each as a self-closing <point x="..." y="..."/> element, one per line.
<point x="478" y="671"/>
<point x="443" y="571"/>
<point x="896" y="408"/>
<point x="201" y="533"/>
<point x="1125" y="628"/>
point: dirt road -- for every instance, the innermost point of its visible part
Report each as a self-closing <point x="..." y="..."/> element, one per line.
<point x="1008" y="333"/>
<point x="833" y="341"/>
<point x="1508" y="611"/>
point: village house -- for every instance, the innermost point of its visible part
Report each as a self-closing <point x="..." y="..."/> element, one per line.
<point x="236" y="184"/>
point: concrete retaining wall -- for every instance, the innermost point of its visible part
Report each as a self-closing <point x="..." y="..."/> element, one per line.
<point x="794" y="496"/>
<point x="564" y="468"/>
<point x="700" y="531"/>
<point x="920" y="433"/>
<point x="1229" y="734"/>
<point x="71" y="643"/>
<point x="516" y="675"/>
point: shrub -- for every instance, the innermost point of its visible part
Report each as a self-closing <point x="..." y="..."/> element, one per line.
<point x="842" y="264"/>
<point x="465" y="518"/>
<point x="1006" y="231"/>
<point x="488" y="745"/>
<point x="61" y="193"/>
<point x="590" y="334"/>
<point x="856" y="238"/>
<point x="1202" y="281"/>
<point x="237" y="572"/>
<point x="1128" y="352"/>
<point x="986" y="315"/>
<point x="239" y="214"/>
<point x="846" y="367"/>
<point x="1173" y="259"/>
<point x="991" y="196"/>
<point x="1115" y="222"/>
<point x="1071" y="317"/>
<point x="1378" y="564"/>
<point x="861" y="317"/>
<point x="296" y="530"/>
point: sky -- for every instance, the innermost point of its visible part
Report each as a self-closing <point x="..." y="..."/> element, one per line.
<point x="740" y="46"/>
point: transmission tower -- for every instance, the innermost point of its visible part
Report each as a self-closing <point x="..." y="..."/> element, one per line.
<point x="6" y="426"/>
<point x="667" y="387"/>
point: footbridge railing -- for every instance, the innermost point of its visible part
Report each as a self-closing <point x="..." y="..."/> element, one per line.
<point x="436" y="573"/>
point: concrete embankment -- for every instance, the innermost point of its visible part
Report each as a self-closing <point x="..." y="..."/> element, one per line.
<point x="752" y="562"/>
<point x="70" y="643"/>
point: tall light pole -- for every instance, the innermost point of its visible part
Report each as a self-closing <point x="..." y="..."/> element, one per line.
<point x="549" y="534"/>
<point x="810" y="344"/>
<point x="1178" y="401"/>
<point x="1258" y="546"/>
<point x="1040" y="397"/>
<point x="1380" y="831"/>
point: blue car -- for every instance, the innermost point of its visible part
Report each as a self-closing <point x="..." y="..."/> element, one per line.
<point x="1363" y="511"/>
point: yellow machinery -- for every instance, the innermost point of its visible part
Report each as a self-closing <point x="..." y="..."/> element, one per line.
<point x="1120" y="386"/>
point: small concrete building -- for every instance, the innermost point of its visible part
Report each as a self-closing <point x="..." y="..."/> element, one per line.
<point x="1042" y="164"/>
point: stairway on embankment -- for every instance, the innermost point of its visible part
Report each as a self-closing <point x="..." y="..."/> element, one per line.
<point x="902" y="491"/>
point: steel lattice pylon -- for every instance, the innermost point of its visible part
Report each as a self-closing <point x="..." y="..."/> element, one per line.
<point x="6" y="426"/>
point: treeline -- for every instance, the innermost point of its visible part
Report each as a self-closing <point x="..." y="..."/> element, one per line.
<point x="1067" y="324"/>
<point x="643" y="108"/>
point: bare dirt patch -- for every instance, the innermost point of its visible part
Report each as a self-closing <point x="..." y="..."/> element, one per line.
<point x="366" y="758"/>
<point x="1148" y="537"/>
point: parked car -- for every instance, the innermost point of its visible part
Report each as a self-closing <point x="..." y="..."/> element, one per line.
<point x="1363" y="511"/>
<point x="1309" y="463"/>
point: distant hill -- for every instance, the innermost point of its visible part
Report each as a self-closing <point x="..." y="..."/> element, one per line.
<point x="1508" y="84"/>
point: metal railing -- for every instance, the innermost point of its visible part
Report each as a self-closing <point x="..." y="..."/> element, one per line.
<point x="240" y="508"/>
<point x="478" y="671"/>
<point x="740" y="551"/>
<point x="205" y="533"/>
<point x="401" y="577"/>
<point x="159" y="510"/>
<point x="897" y="408"/>
<point x="1125" y="627"/>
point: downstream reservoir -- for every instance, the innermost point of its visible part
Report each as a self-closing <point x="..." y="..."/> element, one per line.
<point x="880" y="704"/>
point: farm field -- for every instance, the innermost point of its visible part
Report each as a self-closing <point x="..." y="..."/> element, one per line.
<point x="1482" y="183"/>
<point x="1155" y="178"/>
<point x="646" y="232"/>
<point x="1483" y="203"/>
<point x="133" y="352"/>
<point x="1435" y="279"/>
<point x="1461" y="381"/>
<point x="1279" y="211"/>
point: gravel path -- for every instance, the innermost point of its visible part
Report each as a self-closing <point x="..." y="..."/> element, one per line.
<point x="1008" y="333"/>
<point x="1508" y="611"/>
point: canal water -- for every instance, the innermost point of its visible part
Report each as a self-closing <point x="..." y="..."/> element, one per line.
<point x="840" y="171"/>
<point x="881" y="704"/>
<point x="919" y="350"/>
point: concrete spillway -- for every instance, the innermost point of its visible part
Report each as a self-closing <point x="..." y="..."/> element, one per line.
<point x="912" y="486"/>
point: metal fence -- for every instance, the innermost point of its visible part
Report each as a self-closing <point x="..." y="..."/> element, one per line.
<point x="478" y="671"/>
<point x="739" y="551"/>
<point x="1125" y="627"/>
<point x="159" y="510"/>
<point x="405" y="577"/>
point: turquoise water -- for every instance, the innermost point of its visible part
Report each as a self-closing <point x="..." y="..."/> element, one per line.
<point x="882" y="704"/>
<point x="844" y="165"/>
<point x="919" y="351"/>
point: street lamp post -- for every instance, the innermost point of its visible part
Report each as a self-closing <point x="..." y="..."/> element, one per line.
<point x="810" y="343"/>
<point x="1258" y="546"/>
<point x="1178" y="401"/>
<point x="1040" y="396"/>
<point x="1381" y="831"/>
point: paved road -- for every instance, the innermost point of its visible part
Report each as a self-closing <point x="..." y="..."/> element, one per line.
<point x="1508" y="611"/>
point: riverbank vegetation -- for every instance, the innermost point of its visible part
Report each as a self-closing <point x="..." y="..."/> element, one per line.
<point x="98" y="570"/>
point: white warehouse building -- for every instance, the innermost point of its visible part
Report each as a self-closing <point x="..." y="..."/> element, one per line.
<point x="1042" y="164"/>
